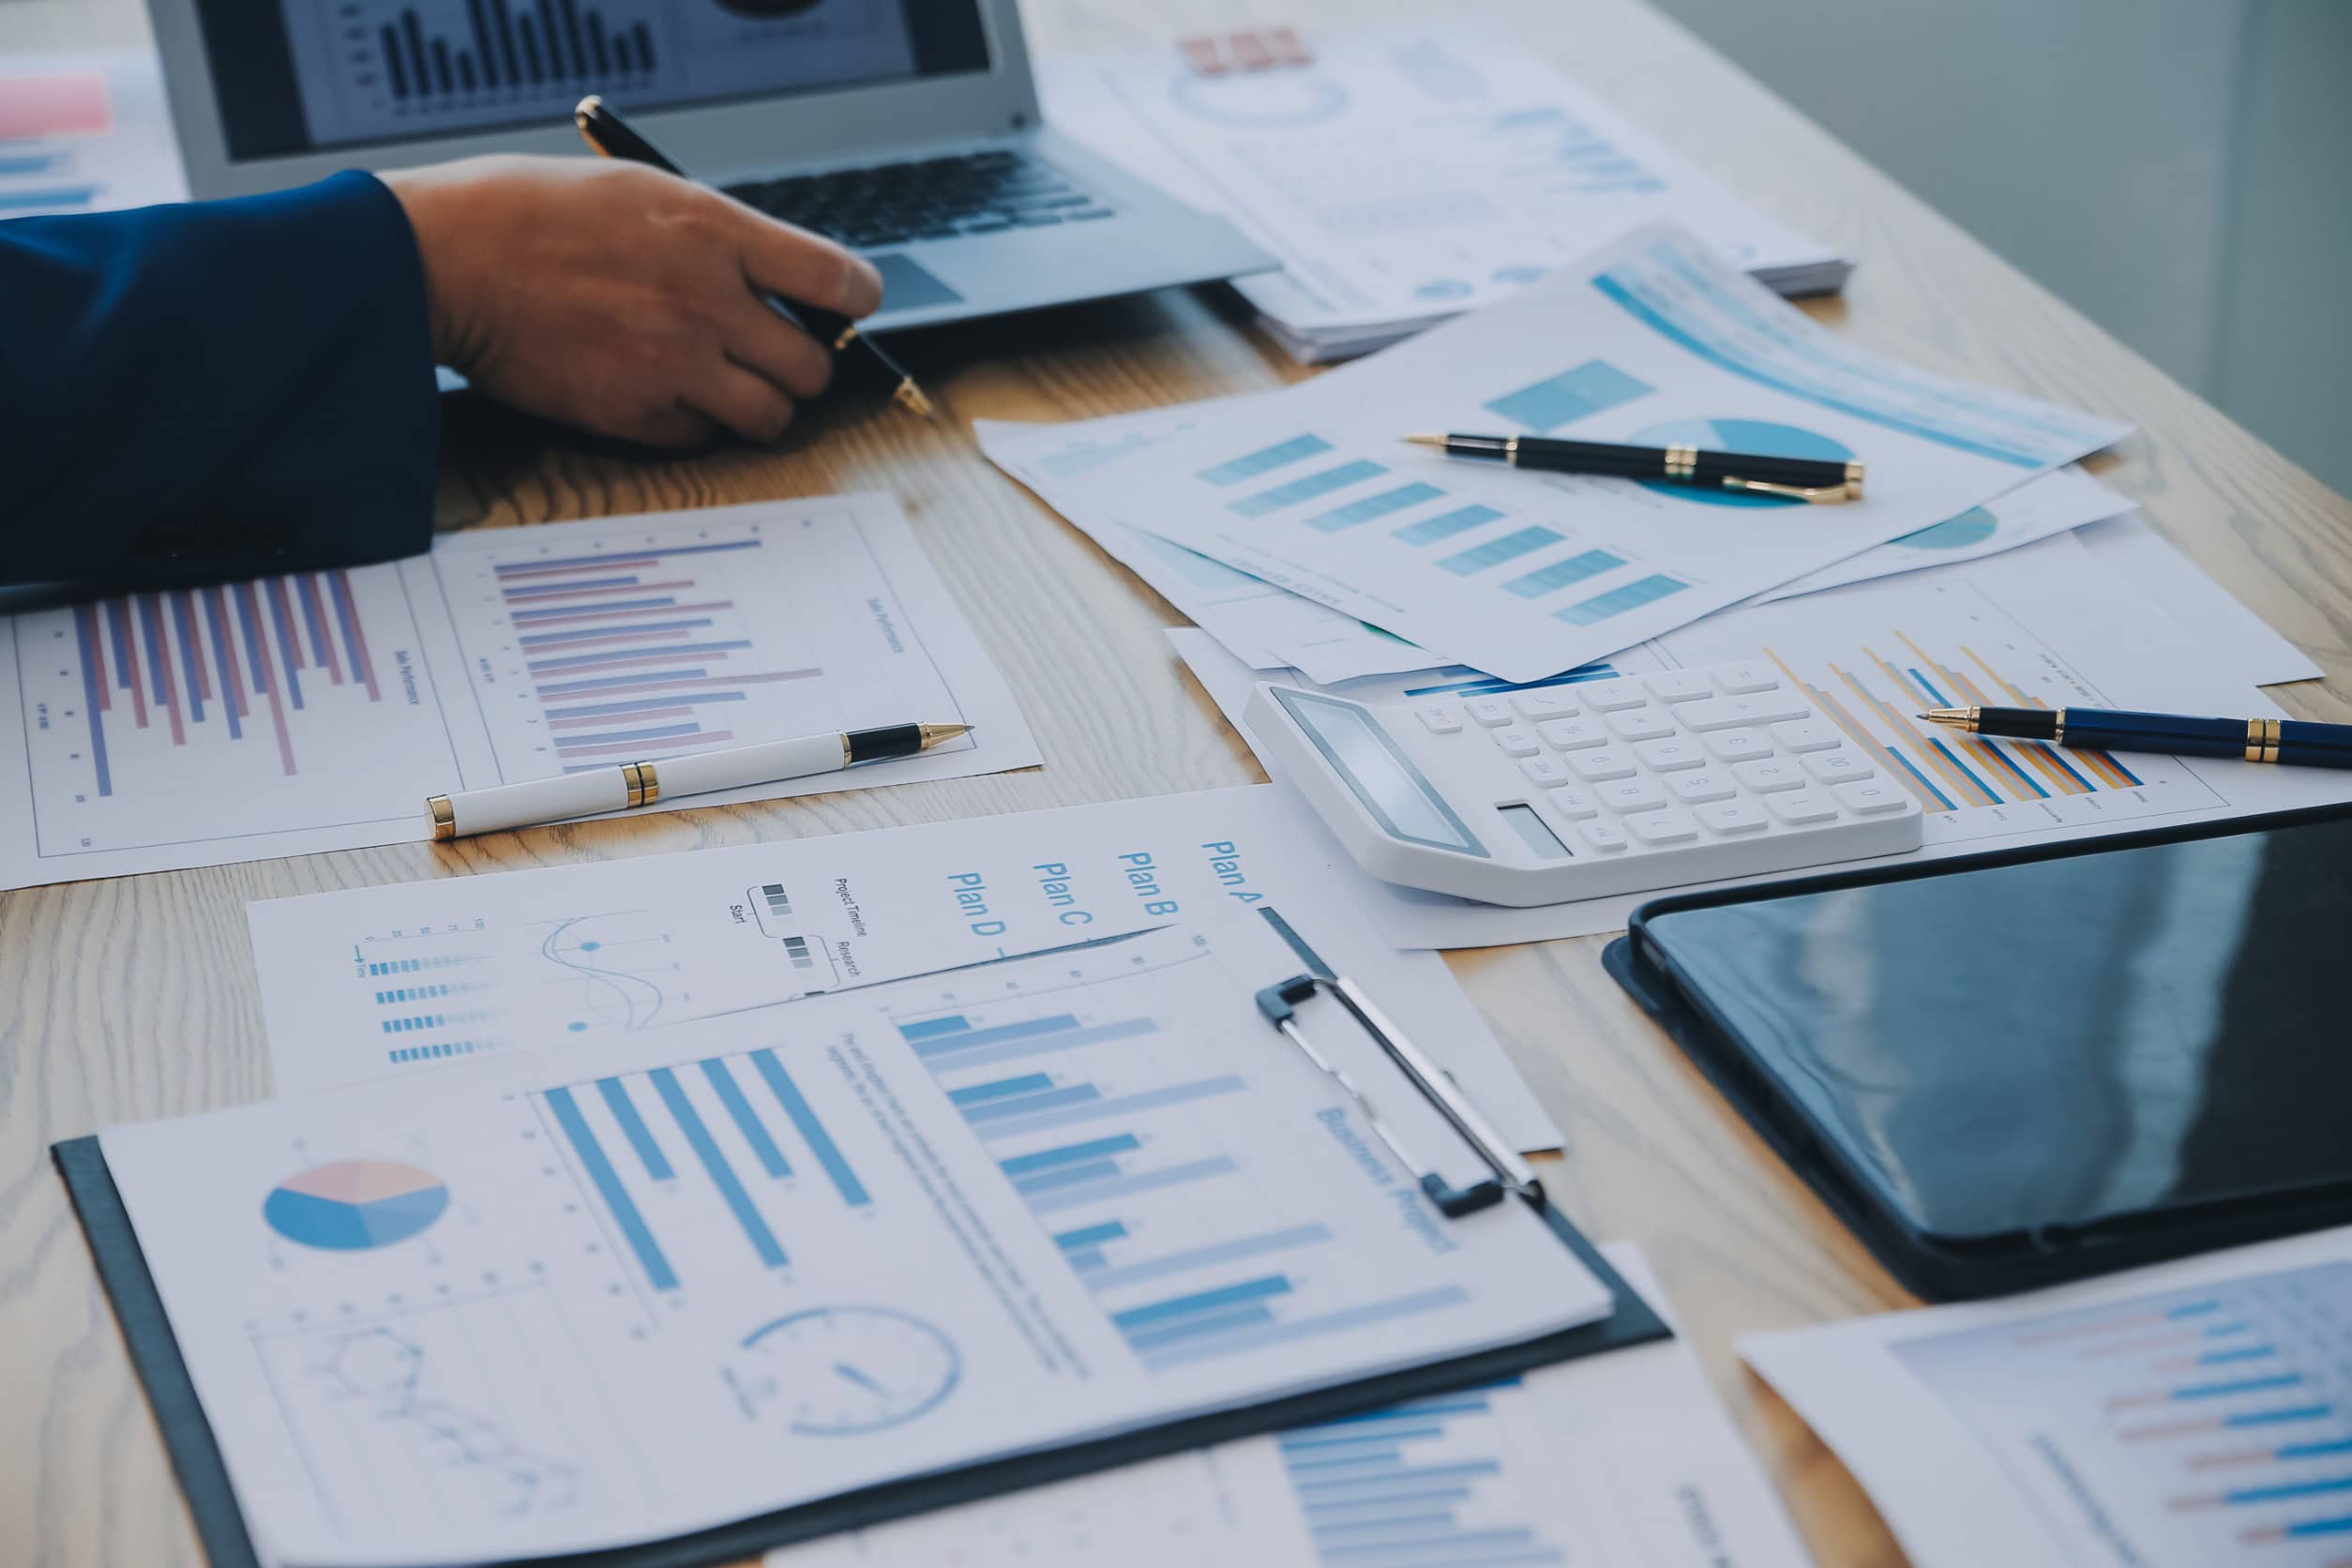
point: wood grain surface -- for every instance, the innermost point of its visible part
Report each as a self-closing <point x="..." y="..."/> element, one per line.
<point x="133" y="999"/>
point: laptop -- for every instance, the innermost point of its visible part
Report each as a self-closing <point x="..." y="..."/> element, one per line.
<point x="908" y="130"/>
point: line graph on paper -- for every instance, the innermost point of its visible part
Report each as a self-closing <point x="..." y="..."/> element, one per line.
<point x="248" y="707"/>
<point x="632" y="645"/>
<point x="454" y="1410"/>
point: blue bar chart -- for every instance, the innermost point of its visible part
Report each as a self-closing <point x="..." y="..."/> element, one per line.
<point x="640" y="647"/>
<point x="731" y="1141"/>
<point x="1423" y="1485"/>
<point x="2204" y="1425"/>
<point x="1114" y="1140"/>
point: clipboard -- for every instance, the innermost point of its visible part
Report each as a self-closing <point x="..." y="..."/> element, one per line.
<point x="203" y="1475"/>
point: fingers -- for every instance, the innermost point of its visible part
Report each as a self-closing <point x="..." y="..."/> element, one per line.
<point x="807" y="268"/>
<point x="676" y="426"/>
<point x="746" y="404"/>
<point x="765" y="342"/>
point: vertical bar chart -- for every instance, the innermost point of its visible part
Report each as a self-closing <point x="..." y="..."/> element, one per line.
<point x="494" y="47"/>
<point x="2204" y="1425"/>
<point x="726" y="1142"/>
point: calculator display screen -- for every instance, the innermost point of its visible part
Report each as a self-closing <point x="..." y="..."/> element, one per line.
<point x="1405" y="805"/>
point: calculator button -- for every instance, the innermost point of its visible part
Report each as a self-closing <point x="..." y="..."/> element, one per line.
<point x="1838" y="767"/>
<point x="1438" y="719"/>
<point x="1764" y="778"/>
<point x="1869" y="800"/>
<point x="1572" y="735"/>
<point x="1746" y="676"/>
<point x="1608" y="837"/>
<point x="1808" y="734"/>
<point x="1627" y="795"/>
<point x="1678" y="686"/>
<point x="1572" y="804"/>
<point x="1607" y="697"/>
<point x="1546" y="770"/>
<point x="1728" y="713"/>
<point x="1641" y="724"/>
<point x="1605" y="763"/>
<point x="1804" y="805"/>
<point x="1692" y="789"/>
<point x="1663" y="827"/>
<point x="1733" y="816"/>
<point x="1670" y="755"/>
<point x="1536" y="705"/>
<point x="1517" y="742"/>
<point x="1489" y="711"/>
<point x="1739" y="746"/>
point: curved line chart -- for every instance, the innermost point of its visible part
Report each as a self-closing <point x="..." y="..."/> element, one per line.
<point x="618" y="997"/>
<point x="383" y="1371"/>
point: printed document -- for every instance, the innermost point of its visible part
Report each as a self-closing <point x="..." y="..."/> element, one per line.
<point x="1623" y="1458"/>
<point x="396" y="982"/>
<point x="85" y="132"/>
<point x="1406" y="176"/>
<point x="2177" y="1416"/>
<point x="318" y="711"/>
<point x="566" y="1300"/>
<point x="2053" y="623"/>
<point x="1651" y="341"/>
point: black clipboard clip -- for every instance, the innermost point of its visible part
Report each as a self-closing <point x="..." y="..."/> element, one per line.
<point x="1512" y="1174"/>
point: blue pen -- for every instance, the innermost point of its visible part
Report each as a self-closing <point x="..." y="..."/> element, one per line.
<point x="2256" y="740"/>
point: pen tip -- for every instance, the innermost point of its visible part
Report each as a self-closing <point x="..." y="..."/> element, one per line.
<point x="937" y="734"/>
<point x="1425" y="439"/>
<point x="913" y="398"/>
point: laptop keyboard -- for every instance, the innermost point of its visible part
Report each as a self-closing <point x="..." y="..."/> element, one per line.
<point x="933" y="198"/>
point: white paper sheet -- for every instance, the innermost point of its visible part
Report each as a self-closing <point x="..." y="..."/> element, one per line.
<point x="1269" y="627"/>
<point x="567" y="1301"/>
<point x="2129" y="549"/>
<point x="2125" y="1421"/>
<point x="2048" y="619"/>
<point x="1408" y="175"/>
<point x="1620" y="1458"/>
<point x="2051" y="504"/>
<point x="318" y="712"/>
<point x="1521" y="574"/>
<point x="392" y="982"/>
<point x="85" y="132"/>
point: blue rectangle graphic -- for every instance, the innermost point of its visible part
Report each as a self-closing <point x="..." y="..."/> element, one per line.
<point x="1510" y="546"/>
<point x="1568" y="397"/>
<point x="1559" y="574"/>
<point x="1265" y="460"/>
<point x="1617" y="601"/>
<point x="812" y="1132"/>
<point x="607" y="1185"/>
<point x="1428" y="531"/>
<point x="1308" y="489"/>
<point x="1402" y="498"/>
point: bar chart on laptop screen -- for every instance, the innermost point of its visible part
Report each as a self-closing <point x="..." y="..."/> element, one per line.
<point x="2188" y="1427"/>
<point x="241" y="706"/>
<point x="643" y="645"/>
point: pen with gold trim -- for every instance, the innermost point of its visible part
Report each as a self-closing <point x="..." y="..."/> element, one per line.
<point x="2256" y="740"/>
<point x="1813" y="479"/>
<point x="631" y="784"/>
<point x="613" y="136"/>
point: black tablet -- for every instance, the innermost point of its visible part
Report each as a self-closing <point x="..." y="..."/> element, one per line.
<point x="2019" y="1069"/>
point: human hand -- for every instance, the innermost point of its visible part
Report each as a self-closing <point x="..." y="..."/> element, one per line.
<point x="622" y="300"/>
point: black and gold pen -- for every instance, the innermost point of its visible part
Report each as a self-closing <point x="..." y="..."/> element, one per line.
<point x="2294" y="742"/>
<point x="1813" y="479"/>
<point x="615" y="138"/>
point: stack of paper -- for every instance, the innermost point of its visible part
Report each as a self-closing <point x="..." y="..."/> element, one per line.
<point x="85" y="132"/>
<point x="1406" y="176"/>
<point x="1651" y="340"/>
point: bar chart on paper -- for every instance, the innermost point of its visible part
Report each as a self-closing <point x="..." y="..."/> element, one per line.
<point x="632" y="645"/>
<point x="249" y="708"/>
<point x="1119" y="1144"/>
<point x="2196" y="1426"/>
<point x="1897" y="648"/>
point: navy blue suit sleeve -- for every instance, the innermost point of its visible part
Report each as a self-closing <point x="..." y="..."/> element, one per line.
<point x="215" y="390"/>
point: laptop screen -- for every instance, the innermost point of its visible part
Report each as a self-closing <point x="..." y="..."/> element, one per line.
<point x="298" y="76"/>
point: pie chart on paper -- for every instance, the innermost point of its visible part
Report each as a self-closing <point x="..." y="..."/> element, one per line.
<point x="355" y="1205"/>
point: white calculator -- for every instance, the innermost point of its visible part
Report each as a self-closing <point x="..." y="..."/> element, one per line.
<point x="1584" y="790"/>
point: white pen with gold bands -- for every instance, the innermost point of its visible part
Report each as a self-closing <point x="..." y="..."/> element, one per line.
<point x="631" y="784"/>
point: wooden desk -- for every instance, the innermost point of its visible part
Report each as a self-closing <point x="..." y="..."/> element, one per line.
<point x="134" y="998"/>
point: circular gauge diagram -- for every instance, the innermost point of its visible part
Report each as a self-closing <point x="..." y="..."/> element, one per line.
<point x="837" y="1371"/>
